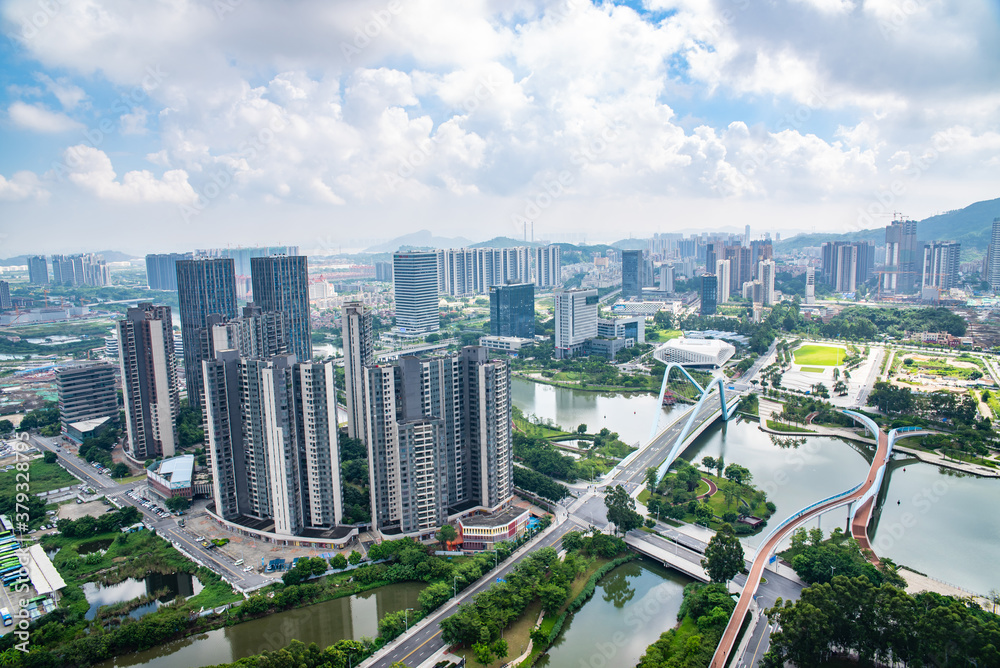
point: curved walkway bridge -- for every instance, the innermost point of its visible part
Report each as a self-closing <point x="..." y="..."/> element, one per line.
<point x="860" y="499"/>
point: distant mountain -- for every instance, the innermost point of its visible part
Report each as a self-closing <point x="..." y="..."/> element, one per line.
<point x="421" y="239"/>
<point x="109" y="256"/>
<point x="972" y="226"/>
<point x="505" y="242"/>
<point x="631" y="244"/>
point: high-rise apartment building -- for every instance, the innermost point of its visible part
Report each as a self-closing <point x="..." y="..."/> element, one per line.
<point x="810" y="285"/>
<point x="5" y="301"/>
<point x="900" y="275"/>
<point x="86" y="392"/>
<point x="548" y="266"/>
<point x="711" y="257"/>
<point x="766" y="270"/>
<point x="415" y="285"/>
<point x="281" y="285"/>
<point x="242" y="257"/>
<point x="439" y="437"/>
<point x="512" y="310"/>
<point x="383" y="272"/>
<point x="667" y="278"/>
<point x="359" y="347"/>
<point x="62" y="270"/>
<point x="722" y="273"/>
<point x="940" y="264"/>
<point x="205" y="287"/>
<point x="576" y="320"/>
<point x="149" y="381"/>
<point x="456" y="269"/>
<point x="993" y="257"/>
<point x="38" y="270"/>
<point x="845" y="265"/>
<point x="161" y="270"/>
<point x="632" y="274"/>
<point x="709" y="294"/>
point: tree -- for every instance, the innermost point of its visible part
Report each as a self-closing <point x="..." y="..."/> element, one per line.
<point x="6" y="427"/>
<point x="119" y="470"/>
<point x="723" y="555"/>
<point x="652" y="478"/>
<point x="499" y="648"/>
<point x="581" y="429"/>
<point x="483" y="652"/>
<point x="446" y="534"/>
<point x="176" y="503"/>
<point x="708" y="462"/>
<point x="738" y="474"/>
<point x="50" y="457"/>
<point x="354" y="558"/>
<point x="338" y="561"/>
<point x="621" y="510"/>
<point x="552" y="596"/>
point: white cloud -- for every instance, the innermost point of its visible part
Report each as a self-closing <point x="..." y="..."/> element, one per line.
<point x="38" y="118"/>
<point x="134" y="123"/>
<point x="21" y="186"/>
<point x="91" y="170"/>
<point x="68" y="94"/>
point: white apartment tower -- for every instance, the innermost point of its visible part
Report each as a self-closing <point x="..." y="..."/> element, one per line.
<point x="810" y="285"/>
<point x="576" y="320"/>
<point x="356" y="327"/>
<point x="766" y="270"/>
<point x="548" y="266"/>
<point x="722" y="269"/>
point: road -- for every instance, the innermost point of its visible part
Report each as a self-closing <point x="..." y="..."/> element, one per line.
<point x="872" y="377"/>
<point x="424" y="643"/>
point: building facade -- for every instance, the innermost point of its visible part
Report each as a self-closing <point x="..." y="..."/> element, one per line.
<point x="415" y="286"/>
<point x="5" y="300"/>
<point x="86" y="392"/>
<point x="900" y="274"/>
<point x="359" y="347"/>
<point x="281" y="285"/>
<point x="548" y="266"/>
<point x="38" y="270"/>
<point x="709" y="294"/>
<point x="149" y="381"/>
<point x="161" y="270"/>
<point x="940" y="264"/>
<point x="766" y="271"/>
<point x="576" y="320"/>
<point x="632" y="274"/>
<point x="512" y="310"/>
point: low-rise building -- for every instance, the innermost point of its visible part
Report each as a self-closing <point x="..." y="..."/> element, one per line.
<point x="695" y="352"/>
<point x="173" y="477"/>
<point x="505" y="344"/>
<point x="482" y="532"/>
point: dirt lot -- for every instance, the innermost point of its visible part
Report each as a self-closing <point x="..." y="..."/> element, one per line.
<point x="74" y="510"/>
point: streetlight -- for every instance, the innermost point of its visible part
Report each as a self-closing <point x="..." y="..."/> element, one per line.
<point x="406" y="619"/>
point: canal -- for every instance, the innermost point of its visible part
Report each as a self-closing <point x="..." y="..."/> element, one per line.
<point x="324" y="624"/>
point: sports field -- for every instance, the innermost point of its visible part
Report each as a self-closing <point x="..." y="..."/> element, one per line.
<point x="812" y="369"/>
<point x="819" y="355"/>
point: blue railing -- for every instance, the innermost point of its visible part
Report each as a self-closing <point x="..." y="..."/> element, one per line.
<point x="805" y="510"/>
<point x="900" y="430"/>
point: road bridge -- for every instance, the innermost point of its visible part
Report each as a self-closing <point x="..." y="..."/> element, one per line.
<point x="668" y="553"/>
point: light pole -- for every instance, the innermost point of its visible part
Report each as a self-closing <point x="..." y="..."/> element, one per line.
<point x="406" y="619"/>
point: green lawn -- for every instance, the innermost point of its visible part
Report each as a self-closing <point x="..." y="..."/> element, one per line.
<point x="819" y="355"/>
<point x="781" y="426"/>
<point x="41" y="478"/>
<point x="813" y="369"/>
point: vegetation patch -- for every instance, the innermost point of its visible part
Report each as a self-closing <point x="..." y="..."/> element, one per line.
<point x="819" y="355"/>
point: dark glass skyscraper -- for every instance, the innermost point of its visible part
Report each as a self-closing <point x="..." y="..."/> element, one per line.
<point x="709" y="294"/>
<point x="161" y="270"/>
<point x="281" y="283"/>
<point x="204" y="288"/>
<point x="631" y="274"/>
<point x="512" y="310"/>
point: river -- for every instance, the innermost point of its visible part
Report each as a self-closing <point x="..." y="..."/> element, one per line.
<point x="324" y="624"/>
<point x="942" y="526"/>
<point x="631" y="607"/>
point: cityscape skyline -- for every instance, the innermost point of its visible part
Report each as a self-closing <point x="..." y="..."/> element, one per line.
<point x="550" y="116"/>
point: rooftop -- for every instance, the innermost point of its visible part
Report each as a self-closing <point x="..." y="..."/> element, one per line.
<point x="176" y="470"/>
<point x="501" y="518"/>
<point x="44" y="576"/>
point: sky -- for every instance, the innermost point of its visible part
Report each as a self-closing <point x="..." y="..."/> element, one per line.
<point x="167" y="125"/>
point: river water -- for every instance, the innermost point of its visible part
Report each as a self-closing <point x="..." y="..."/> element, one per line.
<point x="944" y="525"/>
<point x="631" y="607"/>
<point x="324" y="624"/>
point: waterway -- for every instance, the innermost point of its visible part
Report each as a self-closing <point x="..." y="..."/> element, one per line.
<point x="631" y="607"/>
<point x="943" y="525"/>
<point x="176" y="584"/>
<point x="324" y="624"/>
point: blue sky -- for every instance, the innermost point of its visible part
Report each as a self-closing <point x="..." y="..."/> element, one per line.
<point x="162" y="125"/>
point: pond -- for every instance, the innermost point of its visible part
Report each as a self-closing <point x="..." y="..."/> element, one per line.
<point x="177" y="584"/>
<point x="92" y="546"/>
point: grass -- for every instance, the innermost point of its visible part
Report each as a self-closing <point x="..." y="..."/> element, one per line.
<point x="643" y="496"/>
<point x="516" y="636"/>
<point x="781" y="426"/>
<point x="819" y="355"/>
<point x="813" y="369"/>
<point x="42" y="477"/>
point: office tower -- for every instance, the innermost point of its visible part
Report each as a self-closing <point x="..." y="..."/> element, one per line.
<point x="709" y="294"/>
<point x="746" y="236"/>
<point x="810" y="285"/>
<point x="743" y="271"/>
<point x="900" y="273"/>
<point x="993" y="257"/>
<point x="548" y="266"/>
<point x="766" y="270"/>
<point x="5" y="301"/>
<point x="415" y="286"/>
<point x="358" y="342"/>
<point x="632" y="274"/>
<point x="940" y="264"/>
<point x="149" y="381"/>
<point x="383" y="272"/>
<point x="281" y="284"/>
<point x="512" y="310"/>
<point x="576" y="320"/>
<point x="38" y="270"/>
<point x="243" y="257"/>
<point x="711" y="257"/>
<point x="667" y="278"/>
<point x="439" y="437"/>
<point x="161" y="270"/>
<point x="722" y="274"/>
<point x="62" y="270"/>
<point x="86" y="392"/>
<point x="205" y="287"/>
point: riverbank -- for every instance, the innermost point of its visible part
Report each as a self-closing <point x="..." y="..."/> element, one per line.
<point x="582" y="386"/>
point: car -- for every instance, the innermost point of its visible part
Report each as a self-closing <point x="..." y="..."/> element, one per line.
<point x="248" y="569"/>
<point x="238" y="562"/>
<point x="200" y="539"/>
